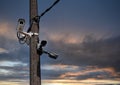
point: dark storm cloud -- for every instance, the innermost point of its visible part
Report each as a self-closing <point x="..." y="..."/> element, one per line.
<point x="92" y="51"/>
<point x="21" y="55"/>
<point x="51" y="74"/>
<point x="16" y="52"/>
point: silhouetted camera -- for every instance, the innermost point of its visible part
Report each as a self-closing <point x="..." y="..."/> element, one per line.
<point x="43" y="43"/>
<point x="41" y="51"/>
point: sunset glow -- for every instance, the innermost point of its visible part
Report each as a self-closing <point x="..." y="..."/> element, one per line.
<point x="79" y="82"/>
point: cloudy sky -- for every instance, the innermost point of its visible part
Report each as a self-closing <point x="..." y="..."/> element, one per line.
<point x="85" y="34"/>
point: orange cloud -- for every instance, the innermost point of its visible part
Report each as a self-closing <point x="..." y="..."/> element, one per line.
<point x="109" y="70"/>
<point x="2" y="50"/>
<point x="7" y="31"/>
<point x="79" y="82"/>
<point x="14" y="82"/>
<point x="66" y="38"/>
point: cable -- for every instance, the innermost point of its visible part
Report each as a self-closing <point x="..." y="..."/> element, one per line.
<point x="22" y="40"/>
<point x="48" y="9"/>
<point x="37" y="18"/>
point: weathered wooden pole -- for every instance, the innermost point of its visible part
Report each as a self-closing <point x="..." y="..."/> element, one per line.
<point x="35" y="72"/>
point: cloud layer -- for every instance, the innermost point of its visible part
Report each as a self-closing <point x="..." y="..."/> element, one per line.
<point x="92" y="57"/>
<point x="79" y="58"/>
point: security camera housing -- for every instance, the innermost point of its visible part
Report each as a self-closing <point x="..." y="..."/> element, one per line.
<point x="21" y="24"/>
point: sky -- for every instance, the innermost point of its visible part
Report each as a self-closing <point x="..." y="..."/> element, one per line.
<point x="85" y="34"/>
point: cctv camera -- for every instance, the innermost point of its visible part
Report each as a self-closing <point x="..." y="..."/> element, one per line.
<point x="21" y="24"/>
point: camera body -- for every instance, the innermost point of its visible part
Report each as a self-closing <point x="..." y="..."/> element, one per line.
<point x="53" y="55"/>
<point x="21" y="24"/>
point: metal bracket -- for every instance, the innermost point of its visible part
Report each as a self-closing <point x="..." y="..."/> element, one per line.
<point x="28" y="34"/>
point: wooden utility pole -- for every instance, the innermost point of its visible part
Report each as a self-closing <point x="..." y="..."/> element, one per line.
<point x="35" y="74"/>
<point x="31" y="37"/>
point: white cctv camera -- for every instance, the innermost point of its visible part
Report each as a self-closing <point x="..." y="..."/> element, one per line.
<point x="21" y="24"/>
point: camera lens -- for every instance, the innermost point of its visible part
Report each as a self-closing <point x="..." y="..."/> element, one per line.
<point x="21" y="22"/>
